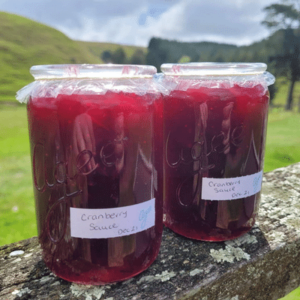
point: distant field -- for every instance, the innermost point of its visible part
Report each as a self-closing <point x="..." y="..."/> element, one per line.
<point x="17" y="215"/>
<point x="281" y="95"/>
<point x="283" y="140"/>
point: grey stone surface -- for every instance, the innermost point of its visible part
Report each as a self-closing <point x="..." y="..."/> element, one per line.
<point x="263" y="264"/>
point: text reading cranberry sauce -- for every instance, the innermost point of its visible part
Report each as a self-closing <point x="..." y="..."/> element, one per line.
<point x="112" y="222"/>
<point x="231" y="188"/>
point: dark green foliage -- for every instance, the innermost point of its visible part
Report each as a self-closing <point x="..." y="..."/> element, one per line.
<point x="164" y="51"/>
<point x="281" y="15"/>
<point x="106" y="56"/>
<point x="286" y="60"/>
<point x="161" y="51"/>
<point x="272" y="89"/>
<point x="118" y="56"/>
<point x="138" y="57"/>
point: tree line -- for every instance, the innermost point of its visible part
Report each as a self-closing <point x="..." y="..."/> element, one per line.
<point x="119" y="57"/>
<point x="281" y="50"/>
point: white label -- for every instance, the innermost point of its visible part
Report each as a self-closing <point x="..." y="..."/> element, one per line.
<point x="112" y="222"/>
<point x="231" y="188"/>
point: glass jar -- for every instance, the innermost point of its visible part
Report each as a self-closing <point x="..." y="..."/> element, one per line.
<point x="95" y="156"/>
<point x="215" y="121"/>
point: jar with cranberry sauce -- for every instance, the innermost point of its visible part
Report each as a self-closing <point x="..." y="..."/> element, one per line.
<point x="215" y="121"/>
<point x="95" y="136"/>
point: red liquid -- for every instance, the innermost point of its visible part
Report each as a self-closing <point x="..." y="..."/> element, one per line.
<point x="91" y="151"/>
<point x="215" y="133"/>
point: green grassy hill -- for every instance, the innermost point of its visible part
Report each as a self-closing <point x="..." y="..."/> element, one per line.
<point x="24" y="43"/>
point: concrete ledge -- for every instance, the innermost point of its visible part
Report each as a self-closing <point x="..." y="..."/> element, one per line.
<point x="263" y="264"/>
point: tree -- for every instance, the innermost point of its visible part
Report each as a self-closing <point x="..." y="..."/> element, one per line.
<point x="106" y="56"/>
<point x="138" y="57"/>
<point x="156" y="54"/>
<point x="184" y="59"/>
<point x="286" y="17"/>
<point x="119" y="56"/>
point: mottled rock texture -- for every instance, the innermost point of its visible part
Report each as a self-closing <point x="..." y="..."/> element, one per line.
<point x="263" y="264"/>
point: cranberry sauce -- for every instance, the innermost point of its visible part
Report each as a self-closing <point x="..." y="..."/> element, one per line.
<point x="214" y="133"/>
<point x="95" y="152"/>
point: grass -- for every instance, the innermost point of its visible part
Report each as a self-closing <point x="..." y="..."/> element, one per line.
<point x="24" y="43"/>
<point x="281" y="95"/>
<point x="17" y="215"/>
<point x="283" y="139"/>
<point x="294" y="295"/>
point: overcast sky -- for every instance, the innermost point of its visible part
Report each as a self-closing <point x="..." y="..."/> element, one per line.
<point x="134" y="22"/>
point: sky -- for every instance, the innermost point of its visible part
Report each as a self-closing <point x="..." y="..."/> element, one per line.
<point x="134" y="22"/>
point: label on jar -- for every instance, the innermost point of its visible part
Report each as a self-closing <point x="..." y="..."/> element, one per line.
<point x="231" y="188"/>
<point x="112" y="222"/>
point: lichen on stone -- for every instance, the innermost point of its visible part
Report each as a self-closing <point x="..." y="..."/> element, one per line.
<point x="20" y="293"/>
<point x="144" y="279"/>
<point x="229" y="254"/>
<point x="275" y="239"/>
<point x="233" y="298"/>
<point x="87" y="291"/>
<point x="17" y="252"/>
<point x="195" y="272"/>
<point x="165" y="276"/>
<point x="244" y="239"/>
<point x="17" y="260"/>
<point x="45" y="279"/>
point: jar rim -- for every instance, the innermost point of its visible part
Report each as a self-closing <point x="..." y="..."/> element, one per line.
<point x="101" y="71"/>
<point x="213" y="69"/>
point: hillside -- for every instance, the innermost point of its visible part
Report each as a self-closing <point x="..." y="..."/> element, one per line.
<point x="24" y="43"/>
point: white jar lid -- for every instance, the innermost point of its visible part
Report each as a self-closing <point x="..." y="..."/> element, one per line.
<point x="91" y="71"/>
<point x="213" y="69"/>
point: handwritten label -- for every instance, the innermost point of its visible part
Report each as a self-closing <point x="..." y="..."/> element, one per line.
<point x="231" y="188"/>
<point x="112" y="222"/>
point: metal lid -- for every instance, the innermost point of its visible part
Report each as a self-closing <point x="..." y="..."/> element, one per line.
<point x="91" y="71"/>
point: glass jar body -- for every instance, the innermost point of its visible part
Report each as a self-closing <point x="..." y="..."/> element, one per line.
<point x="94" y="151"/>
<point x="213" y="129"/>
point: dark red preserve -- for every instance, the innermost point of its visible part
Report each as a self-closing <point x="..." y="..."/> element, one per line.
<point x="96" y="160"/>
<point x="215" y="121"/>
